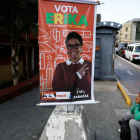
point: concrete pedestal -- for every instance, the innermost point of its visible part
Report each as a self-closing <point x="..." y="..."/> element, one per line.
<point x="68" y="126"/>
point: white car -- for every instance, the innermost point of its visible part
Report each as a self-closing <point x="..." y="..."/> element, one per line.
<point x="132" y="52"/>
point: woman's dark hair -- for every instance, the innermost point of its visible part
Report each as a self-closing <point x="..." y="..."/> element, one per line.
<point x="74" y="35"/>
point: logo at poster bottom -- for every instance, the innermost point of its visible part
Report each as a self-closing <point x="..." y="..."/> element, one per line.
<point x="63" y="95"/>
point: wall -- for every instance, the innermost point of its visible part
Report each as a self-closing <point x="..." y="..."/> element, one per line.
<point x="123" y="32"/>
<point x="133" y="32"/>
<point x="105" y="40"/>
<point x="5" y="56"/>
<point x="6" y="72"/>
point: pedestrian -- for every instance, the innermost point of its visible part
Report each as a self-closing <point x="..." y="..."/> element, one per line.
<point x="134" y="116"/>
<point x="116" y="50"/>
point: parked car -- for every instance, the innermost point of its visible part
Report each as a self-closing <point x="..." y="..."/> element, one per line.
<point x="133" y="52"/>
<point x="121" y="49"/>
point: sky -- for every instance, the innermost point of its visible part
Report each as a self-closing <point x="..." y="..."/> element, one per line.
<point x="119" y="11"/>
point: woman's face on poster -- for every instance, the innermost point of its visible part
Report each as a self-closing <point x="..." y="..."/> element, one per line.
<point x="74" y="49"/>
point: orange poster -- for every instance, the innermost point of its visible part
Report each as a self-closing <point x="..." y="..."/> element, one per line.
<point x="66" y="52"/>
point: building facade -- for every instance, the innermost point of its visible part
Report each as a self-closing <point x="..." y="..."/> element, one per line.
<point x="117" y="37"/>
<point x="5" y="57"/>
<point x="125" y="33"/>
<point x="130" y="32"/>
<point x="135" y="30"/>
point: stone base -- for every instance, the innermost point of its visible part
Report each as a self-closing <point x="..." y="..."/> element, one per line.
<point x="108" y="77"/>
<point x="68" y="126"/>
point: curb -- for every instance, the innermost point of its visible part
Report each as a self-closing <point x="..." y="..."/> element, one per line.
<point x="128" y="100"/>
<point x="14" y="91"/>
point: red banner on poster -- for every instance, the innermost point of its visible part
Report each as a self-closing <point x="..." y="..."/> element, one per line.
<point x="66" y="52"/>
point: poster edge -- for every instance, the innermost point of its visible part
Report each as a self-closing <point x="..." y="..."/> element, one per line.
<point x="77" y="1"/>
<point x="92" y="101"/>
<point x="93" y="53"/>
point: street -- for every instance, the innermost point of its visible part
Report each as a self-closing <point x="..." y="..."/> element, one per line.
<point x="137" y="63"/>
<point x="128" y="74"/>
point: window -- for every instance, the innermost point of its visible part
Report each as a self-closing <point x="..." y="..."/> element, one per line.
<point x="120" y="45"/>
<point x="137" y="35"/>
<point x="5" y="51"/>
<point x="137" y="49"/>
<point x="128" y="48"/>
<point x="138" y="27"/>
<point x="126" y="36"/>
<point x="1" y="52"/>
<point x="138" y="31"/>
<point x="132" y="49"/>
<point x="126" y="29"/>
<point x="21" y="51"/>
<point x="125" y="45"/>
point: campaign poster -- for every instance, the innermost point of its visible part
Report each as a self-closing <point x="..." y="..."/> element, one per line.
<point x="66" y="52"/>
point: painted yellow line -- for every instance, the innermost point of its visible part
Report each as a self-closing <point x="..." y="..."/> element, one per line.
<point x="128" y="100"/>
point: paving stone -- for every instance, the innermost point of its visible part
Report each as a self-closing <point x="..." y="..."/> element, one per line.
<point x="20" y="136"/>
<point x="101" y="138"/>
<point x="121" y="112"/>
<point x="21" y="117"/>
<point x="23" y="120"/>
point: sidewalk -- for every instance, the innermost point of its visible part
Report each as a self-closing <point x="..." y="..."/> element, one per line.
<point x="112" y="107"/>
<point x="21" y="119"/>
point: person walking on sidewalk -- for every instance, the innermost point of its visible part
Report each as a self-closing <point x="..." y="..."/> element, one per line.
<point x="116" y="50"/>
<point x="134" y="116"/>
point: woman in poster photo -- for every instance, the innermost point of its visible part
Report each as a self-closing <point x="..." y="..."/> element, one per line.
<point x="74" y="75"/>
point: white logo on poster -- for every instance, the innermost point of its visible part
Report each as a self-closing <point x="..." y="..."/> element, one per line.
<point x="48" y="96"/>
<point x="63" y="95"/>
<point x="65" y="8"/>
<point x="80" y="91"/>
<point x="80" y="96"/>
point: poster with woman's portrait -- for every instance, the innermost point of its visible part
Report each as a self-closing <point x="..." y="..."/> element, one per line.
<point x="67" y="51"/>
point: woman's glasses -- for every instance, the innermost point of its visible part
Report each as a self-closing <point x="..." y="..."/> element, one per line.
<point x="75" y="46"/>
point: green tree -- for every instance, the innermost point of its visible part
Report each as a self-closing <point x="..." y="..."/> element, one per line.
<point x="15" y="19"/>
<point x="30" y="25"/>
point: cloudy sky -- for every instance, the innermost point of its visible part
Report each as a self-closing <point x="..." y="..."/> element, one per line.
<point x="119" y="11"/>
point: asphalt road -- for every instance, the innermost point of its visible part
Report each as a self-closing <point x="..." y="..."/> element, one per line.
<point x="128" y="74"/>
<point x="137" y="63"/>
